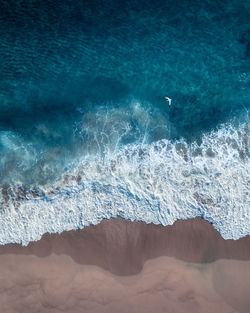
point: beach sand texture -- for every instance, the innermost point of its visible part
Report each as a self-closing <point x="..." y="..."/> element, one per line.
<point x="123" y="266"/>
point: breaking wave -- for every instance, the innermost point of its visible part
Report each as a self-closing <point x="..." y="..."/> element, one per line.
<point x="158" y="182"/>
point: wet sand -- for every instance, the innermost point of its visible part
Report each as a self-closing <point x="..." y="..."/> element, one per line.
<point x="122" y="247"/>
<point x="124" y="266"/>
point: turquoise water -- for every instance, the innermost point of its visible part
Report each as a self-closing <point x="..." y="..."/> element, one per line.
<point x="86" y="132"/>
<point x="64" y="63"/>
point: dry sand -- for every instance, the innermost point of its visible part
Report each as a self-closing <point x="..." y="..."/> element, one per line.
<point x="122" y="266"/>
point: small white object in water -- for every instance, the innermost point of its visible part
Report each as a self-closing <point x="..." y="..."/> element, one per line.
<point x="169" y="100"/>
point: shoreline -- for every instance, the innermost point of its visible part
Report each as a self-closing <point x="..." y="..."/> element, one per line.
<point x="122" y="247"/>
<point x="123" y="266"/>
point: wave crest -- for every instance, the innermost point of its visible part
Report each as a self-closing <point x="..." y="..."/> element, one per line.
<point x="159" y="182"/>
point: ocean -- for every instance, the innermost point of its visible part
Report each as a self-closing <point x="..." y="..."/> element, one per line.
<point x="86" y="132"/>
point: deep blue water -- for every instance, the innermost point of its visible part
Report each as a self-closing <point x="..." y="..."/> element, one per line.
<point x="85" y="77"/>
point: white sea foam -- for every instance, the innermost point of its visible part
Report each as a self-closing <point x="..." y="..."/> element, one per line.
<point x="160" y="182"/>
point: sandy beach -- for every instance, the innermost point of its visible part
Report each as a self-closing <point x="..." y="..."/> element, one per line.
<point x="124" y="266"/>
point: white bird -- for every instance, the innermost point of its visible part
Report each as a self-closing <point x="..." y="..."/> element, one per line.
<point x="169" y="100"/>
